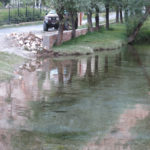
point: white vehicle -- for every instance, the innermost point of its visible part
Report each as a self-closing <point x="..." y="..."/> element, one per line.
<point x="51" y="20"/>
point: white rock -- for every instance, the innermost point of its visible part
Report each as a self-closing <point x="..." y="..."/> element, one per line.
<point x="35" y="52"/>
<point x="21" y="42"/>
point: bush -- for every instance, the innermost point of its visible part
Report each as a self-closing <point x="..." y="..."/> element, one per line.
<point x="144" y="34"/>
<point x="131" y="24"/>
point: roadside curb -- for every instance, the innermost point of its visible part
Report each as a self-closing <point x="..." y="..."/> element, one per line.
<point x="21" y="24"/>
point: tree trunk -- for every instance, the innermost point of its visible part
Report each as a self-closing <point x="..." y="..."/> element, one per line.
<point x="121" y="16"/>
<point x="131" y="13"/>
<point x="138" y="27"/>
<point x="60" y="30"/>
<point x="107" y="16"/>
<point x="147" y="8"/>
<point x="126" y="15"/>
<point x="35" y="3"/>
<point x="106" y="64"/>
<point x="60" y="74"/>
<point x="96" y="64"/>
<point x="89" y="19"/>
<point x="117" y="14"/>
<point x="73" y="17"/>
<point x="89" y="69"/>
<point x="97" y="19"/>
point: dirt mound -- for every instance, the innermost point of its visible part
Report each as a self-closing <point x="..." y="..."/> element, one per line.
<point x="28" y="41"/>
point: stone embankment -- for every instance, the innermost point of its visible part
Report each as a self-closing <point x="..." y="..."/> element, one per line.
<point x="50" y="40"/>
<point x="38" y="42"/>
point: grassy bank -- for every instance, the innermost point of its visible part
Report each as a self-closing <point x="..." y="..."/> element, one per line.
<point x="144" y="34"/>
<point x="7" y="65"/>
<point x="112" y="39"/>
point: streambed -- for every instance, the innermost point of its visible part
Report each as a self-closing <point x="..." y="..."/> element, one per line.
<point x="94" y="102"/>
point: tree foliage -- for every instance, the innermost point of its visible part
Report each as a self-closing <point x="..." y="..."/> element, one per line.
<point x="134" y="10"/>
<point x="5" y="2"/>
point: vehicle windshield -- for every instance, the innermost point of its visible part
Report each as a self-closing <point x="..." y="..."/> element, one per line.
<point x="52" y="12"/>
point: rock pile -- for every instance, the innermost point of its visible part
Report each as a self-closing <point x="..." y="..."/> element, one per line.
<point x="28" y="41"/>
<point x="29" y="66"/>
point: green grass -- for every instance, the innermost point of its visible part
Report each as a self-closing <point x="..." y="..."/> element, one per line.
<point x="7" y="65"/>
<point x="103" y="39"/>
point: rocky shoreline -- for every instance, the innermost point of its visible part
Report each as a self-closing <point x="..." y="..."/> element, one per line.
<point x="33" y="42"/>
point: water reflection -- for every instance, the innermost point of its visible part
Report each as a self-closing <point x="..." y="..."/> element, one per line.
<point x="65" y="103"/>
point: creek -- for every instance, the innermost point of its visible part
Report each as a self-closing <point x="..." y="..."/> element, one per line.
<point x="96" y="102"/>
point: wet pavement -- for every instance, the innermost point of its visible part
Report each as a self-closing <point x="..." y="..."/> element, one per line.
<point x="97" y="102"/>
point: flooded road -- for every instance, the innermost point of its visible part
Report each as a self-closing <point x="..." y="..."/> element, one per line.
<point x="98" y="102"/>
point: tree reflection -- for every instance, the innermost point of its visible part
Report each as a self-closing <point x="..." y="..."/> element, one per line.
<point x="96" y="64"/>
<point x="60" y="74"/>
<point x="106" y="64"/>
<point x="73" y="69"/>
<point x="52" y="99"/>
<point x="137" y="59"/>
<point x="118" y="59"/>
<point x="88" y="69"/>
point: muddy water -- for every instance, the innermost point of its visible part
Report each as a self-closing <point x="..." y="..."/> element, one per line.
<point x="99" y="102"/>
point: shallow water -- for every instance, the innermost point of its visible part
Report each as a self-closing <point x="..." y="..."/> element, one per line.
<point x="98" y="102"/>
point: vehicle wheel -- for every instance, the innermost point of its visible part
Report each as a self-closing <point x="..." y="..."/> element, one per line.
<point x="45" y="27"/>
<point x="56" y="27"/>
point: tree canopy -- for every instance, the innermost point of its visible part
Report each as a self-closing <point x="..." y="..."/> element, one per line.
<point x="4" y="1"/>
<point x="135" y="12"/>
